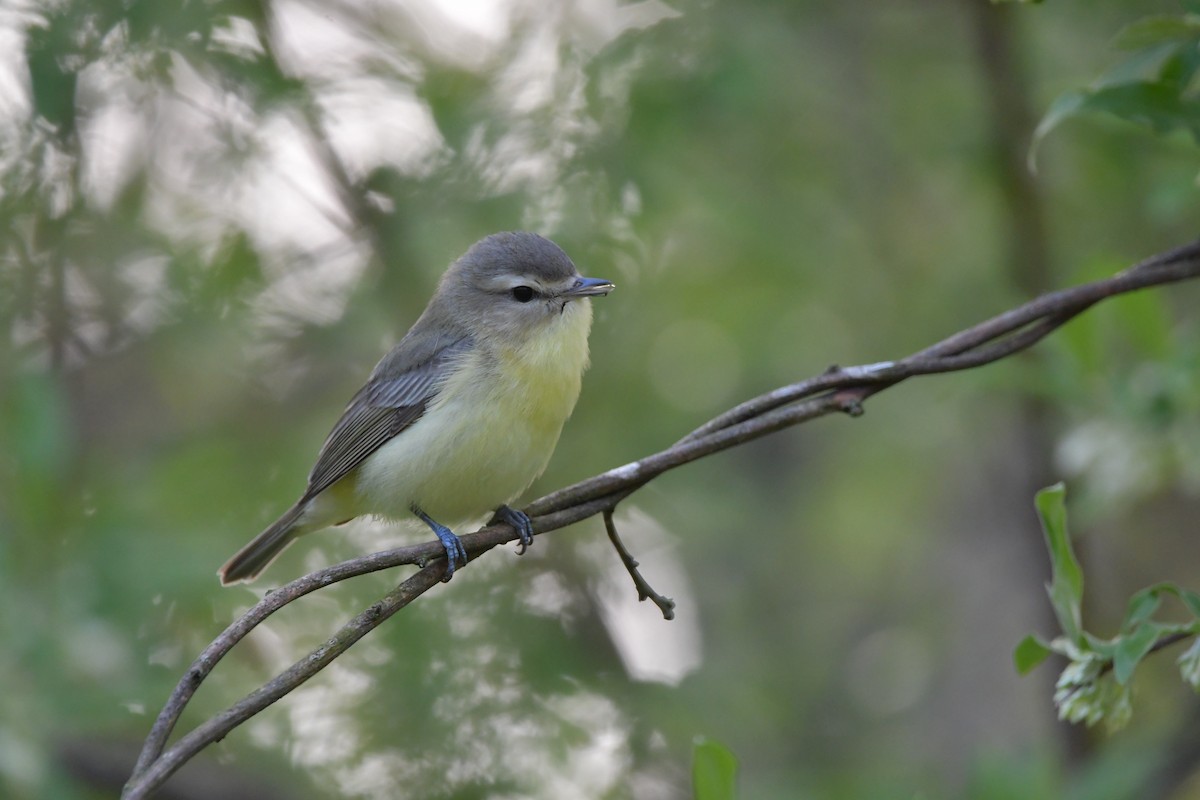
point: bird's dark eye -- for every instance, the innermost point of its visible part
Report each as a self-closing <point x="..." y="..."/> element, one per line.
<point x="523" y="294"/>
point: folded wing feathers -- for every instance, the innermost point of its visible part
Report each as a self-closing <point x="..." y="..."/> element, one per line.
<point x="381" y="410"/>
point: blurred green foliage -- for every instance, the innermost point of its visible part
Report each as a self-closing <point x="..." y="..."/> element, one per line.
<point x="218" y="215"/>
<point x="1095" y="684"/>
<point x="1153" y="86"/>
<point x="714" y="771"/>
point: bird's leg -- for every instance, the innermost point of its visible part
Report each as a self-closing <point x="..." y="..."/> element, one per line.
<point x="456" y="554"/>
<point x="520" y="522"/>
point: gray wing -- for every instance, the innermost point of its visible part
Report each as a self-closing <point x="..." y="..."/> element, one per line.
<point x="393" y="399"/>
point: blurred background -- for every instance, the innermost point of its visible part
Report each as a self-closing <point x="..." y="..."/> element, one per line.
<point x="216" y="216"/>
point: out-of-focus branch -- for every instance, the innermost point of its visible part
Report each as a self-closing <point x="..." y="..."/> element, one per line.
<point x="839" y="389"/>
<point x="362" y="217"/>
<point x="1021" y="214"/>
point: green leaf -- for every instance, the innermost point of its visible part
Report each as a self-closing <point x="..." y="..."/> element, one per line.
<point x="1156" y="105"/>
<point x="1141" y="606"/>
<point x="1147" y="64"/>
<point x="1104" y="648"/>
<point x="714" y="770"/>
<point x="1064" y="107"/>
<point x="1177" y="71"/>
<point x="1191" y="600"/>
<point x="1131" y="649"/>
<point x="1156" y="30"/>
<point x="1149" y="87"/>
<point x="1066" y="585"/>
<point x="1029" y="653"/>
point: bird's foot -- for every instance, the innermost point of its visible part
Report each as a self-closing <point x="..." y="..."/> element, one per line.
<point x="456" y="554"/>
<point x="520" y="522"/>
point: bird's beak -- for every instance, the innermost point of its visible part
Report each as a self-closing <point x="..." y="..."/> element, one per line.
<point x="589" y="287"/>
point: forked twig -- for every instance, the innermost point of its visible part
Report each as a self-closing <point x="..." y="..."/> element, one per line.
<point x="645" y="591"/>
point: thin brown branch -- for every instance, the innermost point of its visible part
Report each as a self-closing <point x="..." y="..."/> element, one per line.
<point x="837" y="390"/>
<point x="272" y="602"/>
<point x="216" y="727"/>
<point x="645" y="591"/>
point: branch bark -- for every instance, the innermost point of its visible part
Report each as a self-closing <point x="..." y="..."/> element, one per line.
<point x="838" y="389"/>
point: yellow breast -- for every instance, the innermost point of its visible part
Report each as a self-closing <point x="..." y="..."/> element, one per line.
<point x="491" y="430"/>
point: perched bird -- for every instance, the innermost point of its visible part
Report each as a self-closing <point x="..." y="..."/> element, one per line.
<point x="463" y="414"/>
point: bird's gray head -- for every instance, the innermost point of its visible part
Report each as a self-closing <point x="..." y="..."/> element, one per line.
<point x="513" y="284"/>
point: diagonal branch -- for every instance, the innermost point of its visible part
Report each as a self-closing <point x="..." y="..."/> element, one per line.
<point x="839" y="389"/>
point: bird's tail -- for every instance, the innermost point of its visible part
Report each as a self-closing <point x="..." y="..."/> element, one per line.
<point x="252" y="559"/>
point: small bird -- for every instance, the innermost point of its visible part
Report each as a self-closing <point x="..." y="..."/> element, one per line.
<point x="464" y="413"/>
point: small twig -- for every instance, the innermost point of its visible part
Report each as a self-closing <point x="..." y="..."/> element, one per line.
<point x="839" y="390"/>
<point x="645" y="591"/>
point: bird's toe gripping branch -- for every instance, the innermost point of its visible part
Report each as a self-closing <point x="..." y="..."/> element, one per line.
<point x="520" y="522"/>
<point x="456" y="554"/>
